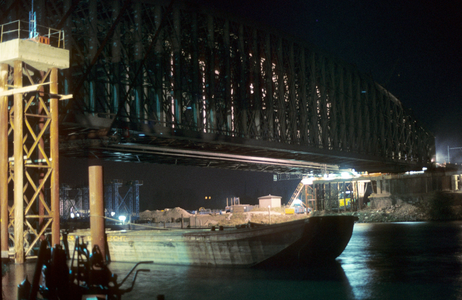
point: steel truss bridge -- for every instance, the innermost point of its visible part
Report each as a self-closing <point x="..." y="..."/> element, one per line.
<point x="181" y="84"/>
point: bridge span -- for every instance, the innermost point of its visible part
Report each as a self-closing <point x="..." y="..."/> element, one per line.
<point x="182" y="84"/>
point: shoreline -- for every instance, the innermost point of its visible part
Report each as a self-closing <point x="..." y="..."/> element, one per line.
<point x="438" y="206"/>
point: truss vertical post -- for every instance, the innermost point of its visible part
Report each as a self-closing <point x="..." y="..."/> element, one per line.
<point x="4" y="161"/>
<point x="139" y="53"/>
<point x="54" y="151"/>
<point x="117" y="199"/>
<point x="66" y="202"/>
<point x="242" y="93"/>
<point x="136" y="188"/>
<point x="18" y="166"/>
<point x="195" y="71"/>
<point x="269" y="87"/>
<point x="85" y="201"/>
<point x="313" y="127"/>
<point x="129" y="203"/>
<point x="93" y="48"/>
<point x="116" y="58"/>
<point x="158" y="71"/>
<point x="108" y="199"/>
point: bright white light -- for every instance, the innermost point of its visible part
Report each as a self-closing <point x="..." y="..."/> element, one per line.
<point x="329" y="176"/>
<point x="307" y="180"/>
<point x="345" y="175"/>
<point x="122" y="218"/>
<point x="72" y="215"/>
<point x="112" y="213"/>
<point x="297" y="202"/>
<point x="78" y="215"/>
<point x="415" y="172"/>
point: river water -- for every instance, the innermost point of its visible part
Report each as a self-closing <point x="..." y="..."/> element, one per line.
<point x="382" y="261"/>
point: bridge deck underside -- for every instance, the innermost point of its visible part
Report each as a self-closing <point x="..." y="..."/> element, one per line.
<point x="212" y="151"/>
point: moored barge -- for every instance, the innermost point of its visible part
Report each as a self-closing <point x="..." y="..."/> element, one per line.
<point x="306" y="240"/>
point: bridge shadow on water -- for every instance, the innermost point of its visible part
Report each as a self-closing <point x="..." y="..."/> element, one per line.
<point x="323" y="281"/>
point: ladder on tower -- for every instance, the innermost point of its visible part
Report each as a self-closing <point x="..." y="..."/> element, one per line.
<point x="296" y="192"/>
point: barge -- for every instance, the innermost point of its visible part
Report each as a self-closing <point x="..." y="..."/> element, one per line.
<point x="308" y="240"/>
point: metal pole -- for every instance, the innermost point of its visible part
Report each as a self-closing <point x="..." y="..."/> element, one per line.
<point x="54" y="152"/>
<point x="4" y="162"/>
<point x="18" y="166"/>
<point x="95" y="174"/>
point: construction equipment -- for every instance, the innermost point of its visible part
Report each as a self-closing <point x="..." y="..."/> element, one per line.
<point x="344" y="199"/>
<point x="88" y="276"/>
<point x="297" y="207"/>
<point x="297" y="191"/>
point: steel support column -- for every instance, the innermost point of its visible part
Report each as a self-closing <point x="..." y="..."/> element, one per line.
<point x="95" y="177"/>
<point x="54" y="151"/>
<point x="18" y="166"/>
<point x="4" y="162"/>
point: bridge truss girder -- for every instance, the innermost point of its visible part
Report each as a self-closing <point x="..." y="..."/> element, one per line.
<point x="185" y="78"/>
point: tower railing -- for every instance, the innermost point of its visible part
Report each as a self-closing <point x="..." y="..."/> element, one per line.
<point x="20" y="30"/>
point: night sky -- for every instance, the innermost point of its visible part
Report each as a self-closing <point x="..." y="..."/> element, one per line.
<point x="412" y="48"/>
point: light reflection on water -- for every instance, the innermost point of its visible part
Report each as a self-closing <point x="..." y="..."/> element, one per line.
<point x="405" y="261"/>
<point x="382" y="261"/>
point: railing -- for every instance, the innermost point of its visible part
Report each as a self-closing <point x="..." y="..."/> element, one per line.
<point x="20" y="30"/>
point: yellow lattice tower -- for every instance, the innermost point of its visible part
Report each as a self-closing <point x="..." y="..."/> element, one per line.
<point x="29" y="117"/>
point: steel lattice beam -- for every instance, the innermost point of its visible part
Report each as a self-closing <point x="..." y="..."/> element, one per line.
<point x="176" y="74"/>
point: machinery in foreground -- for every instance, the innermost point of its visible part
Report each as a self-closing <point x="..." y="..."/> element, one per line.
<point x="88" y="275"/>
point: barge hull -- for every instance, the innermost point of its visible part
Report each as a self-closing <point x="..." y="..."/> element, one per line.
<point x="313" y="238"/>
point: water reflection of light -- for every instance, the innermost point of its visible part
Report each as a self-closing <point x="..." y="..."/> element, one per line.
<point x="354" y="262"/>
<point x="409" y="223"/>
<point x="408" y="260"/>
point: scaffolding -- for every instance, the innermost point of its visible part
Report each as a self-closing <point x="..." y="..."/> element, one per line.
<point x="74" y="202"/>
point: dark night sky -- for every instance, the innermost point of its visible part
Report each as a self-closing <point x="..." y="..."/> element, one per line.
<point x="172" y="186"/>
<point x="410" y="47"/>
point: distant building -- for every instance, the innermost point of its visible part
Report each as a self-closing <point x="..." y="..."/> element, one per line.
<point x="270" y="200"/>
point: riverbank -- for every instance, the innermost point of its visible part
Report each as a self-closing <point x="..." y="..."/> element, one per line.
<point x="439" y="206"/>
